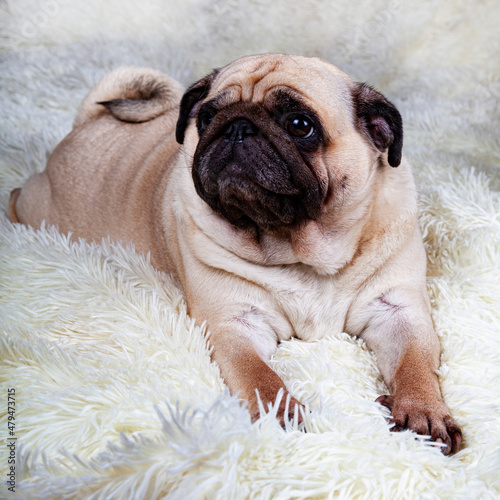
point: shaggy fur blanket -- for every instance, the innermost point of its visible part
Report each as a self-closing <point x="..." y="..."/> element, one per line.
<point x="108" y="390"/>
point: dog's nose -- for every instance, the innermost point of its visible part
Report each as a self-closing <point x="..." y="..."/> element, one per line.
<point x="239" y="129"/>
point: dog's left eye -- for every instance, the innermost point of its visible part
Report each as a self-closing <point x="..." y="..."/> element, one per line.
<point x="299" y="126"/>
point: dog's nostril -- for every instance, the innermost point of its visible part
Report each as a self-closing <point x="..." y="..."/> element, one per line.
<point x="238" y="130"/>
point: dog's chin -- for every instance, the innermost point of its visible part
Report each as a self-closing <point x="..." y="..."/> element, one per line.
<point x="243" y="202"/>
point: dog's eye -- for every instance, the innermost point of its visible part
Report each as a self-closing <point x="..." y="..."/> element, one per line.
<point x="299" y="126"/>
<point x="204" y="120"/>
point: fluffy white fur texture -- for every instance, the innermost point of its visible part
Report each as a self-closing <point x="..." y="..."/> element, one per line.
<point x="116" y="397"/>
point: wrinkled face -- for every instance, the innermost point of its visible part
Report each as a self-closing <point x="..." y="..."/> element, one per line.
<point x="273" y="132"/>
<point x="255" y="160"/>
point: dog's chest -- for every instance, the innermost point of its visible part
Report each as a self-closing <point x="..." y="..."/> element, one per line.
<point x="312" y="304"/>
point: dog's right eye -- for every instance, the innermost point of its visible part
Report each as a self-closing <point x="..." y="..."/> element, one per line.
<point x="204" y="120"/>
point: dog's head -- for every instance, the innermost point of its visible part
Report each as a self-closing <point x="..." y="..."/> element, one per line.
<point x="282" y="139"/>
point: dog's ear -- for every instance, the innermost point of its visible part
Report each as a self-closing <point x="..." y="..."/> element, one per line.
<point x="191" y="97"/>
<point x="380" y="120"/>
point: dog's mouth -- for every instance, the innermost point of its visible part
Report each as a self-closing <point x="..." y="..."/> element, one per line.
<point x="249" y="172"/>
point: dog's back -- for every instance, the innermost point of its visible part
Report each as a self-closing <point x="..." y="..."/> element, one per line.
<point x="115" y="125"/>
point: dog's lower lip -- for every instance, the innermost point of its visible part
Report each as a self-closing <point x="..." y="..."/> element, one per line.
<point x="238" y="172"/>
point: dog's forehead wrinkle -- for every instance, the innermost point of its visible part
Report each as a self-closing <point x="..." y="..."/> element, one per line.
<point x="287" y="99"/>
<point x="252" y="86"/>
<point x="217" y="102"/>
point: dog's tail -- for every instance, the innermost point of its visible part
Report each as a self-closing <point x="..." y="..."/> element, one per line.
<point x="131" y="95"/>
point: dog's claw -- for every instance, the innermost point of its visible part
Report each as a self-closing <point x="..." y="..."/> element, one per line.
<point x="428" y="419"/>
<point x="386" y="401"/>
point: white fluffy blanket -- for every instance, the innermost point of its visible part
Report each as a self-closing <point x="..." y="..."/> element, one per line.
<point x="115" y="395"/>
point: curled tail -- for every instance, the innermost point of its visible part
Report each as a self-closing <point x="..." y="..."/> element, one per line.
<point x="131" y="95"/>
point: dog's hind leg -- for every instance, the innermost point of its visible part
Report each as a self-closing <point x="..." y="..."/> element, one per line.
<point x="14" y="195"/>
<point x="30" y="204"/>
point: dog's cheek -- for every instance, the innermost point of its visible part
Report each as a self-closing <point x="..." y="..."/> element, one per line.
<point x="347" y="165"/>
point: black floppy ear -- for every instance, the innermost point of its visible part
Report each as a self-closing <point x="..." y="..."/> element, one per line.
<point x="191" y="97"/>
<point x="380" y="121"/>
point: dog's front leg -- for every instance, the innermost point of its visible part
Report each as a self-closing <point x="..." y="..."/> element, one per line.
<point x="243" y="342"/>
<point x="399" y="330"/>
<point x="248" y="375"/>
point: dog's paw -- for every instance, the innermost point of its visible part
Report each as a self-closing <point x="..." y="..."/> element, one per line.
<point x="289" y="410"/>
<point x="425" y="417"/>
<point x="285" y="408"/>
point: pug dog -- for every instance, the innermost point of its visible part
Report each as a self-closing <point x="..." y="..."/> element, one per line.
<point x="275" y="192"/>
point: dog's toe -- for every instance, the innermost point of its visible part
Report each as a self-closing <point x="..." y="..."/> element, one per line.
<point x="426" y="418"/>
